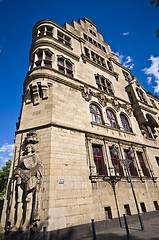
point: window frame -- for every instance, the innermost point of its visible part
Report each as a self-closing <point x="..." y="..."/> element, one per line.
<point x="40" y="60"/>
<point x="142" y="164"/>
<point x="111" y="119"/>
<point x="44" y="30"/>
<point x="95" y="114"/>
<point x="63" y="38"/>
<point x="141" y="96"/>
<point x="104" y="84"/>
<point x="99" y="160"/>
<point x="125" y="122"/>
<point x="63" y="67"/>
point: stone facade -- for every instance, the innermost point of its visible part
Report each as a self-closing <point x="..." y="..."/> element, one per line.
<point x="79" y="104"/>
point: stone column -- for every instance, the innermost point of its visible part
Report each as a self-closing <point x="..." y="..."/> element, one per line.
<point x="91" y="163"/>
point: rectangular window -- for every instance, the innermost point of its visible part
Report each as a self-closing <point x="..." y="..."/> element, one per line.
<point x="96" y="58"/>
<point x="65" y="66"/>
<point x="127" y="209"/>
<point x="98" y="159"/>
<point x="92" y="32"/>
<point x="143" y="207"/>
<point x="87" y="52"/>
<point x="142" y="164"/>
<point x="108" y="213"/>
<point x="85" y="36"/>
<point x="157" y="160"/>
<point x="126" y="76"/>
<point x="63" y="38"/>
<point x="156" y="205"/>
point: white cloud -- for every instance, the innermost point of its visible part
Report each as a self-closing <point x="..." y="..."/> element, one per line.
<point x="149" y="79"/>
<point x="125" y="33"/>
<point x="6" y="151"/>
<point x="7" y="148"/>
<point x="126" y="61"/>
<point x="153" y="72"/>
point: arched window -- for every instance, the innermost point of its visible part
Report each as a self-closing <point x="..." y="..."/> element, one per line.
<point x="96" y="114"/>
<point x="111" y="118"/>
<point x="125" y="123"/>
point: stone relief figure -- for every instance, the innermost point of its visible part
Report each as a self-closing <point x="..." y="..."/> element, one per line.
<point x="24" y="202"/>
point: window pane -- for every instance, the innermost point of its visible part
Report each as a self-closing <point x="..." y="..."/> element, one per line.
<point x="125" y="123"/>
<point x="47" y="56"/>
<point x="116" y="167"/>
<point x="40" y="56"/>
<point x="68" y="65"/>
<point x="61" y="70"/>
<point x="98" y="159"/>
<point x="48" y="64"/>
<point x="61" y="61"/>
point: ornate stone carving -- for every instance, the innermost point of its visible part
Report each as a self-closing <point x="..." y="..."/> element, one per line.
<point x="102" y="100"/>
<point x="116" y="104"/>
<point x="128" y="109"/>
<point x="36" y="91"/>
<point x="86" y="93"/>
<point x="24" y="187"/>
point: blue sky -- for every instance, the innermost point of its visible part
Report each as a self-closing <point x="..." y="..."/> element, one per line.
<point x="128" y="26"/>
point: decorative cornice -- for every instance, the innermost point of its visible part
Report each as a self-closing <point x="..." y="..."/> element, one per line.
<point x="32" y="76"/>
<point x="45" y="21"/>
<point x="56" y="46"/>
<point x="89" y="134"/>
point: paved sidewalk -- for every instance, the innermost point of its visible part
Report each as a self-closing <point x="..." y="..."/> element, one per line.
<point x="115" y="232"/>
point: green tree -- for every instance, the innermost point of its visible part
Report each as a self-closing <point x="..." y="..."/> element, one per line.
<point x="4" y="173"/>
<point x="157" y="5"/>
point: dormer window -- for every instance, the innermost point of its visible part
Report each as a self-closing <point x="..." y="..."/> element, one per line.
<point x="65" y="66"/>
<point x="64" y="39"/>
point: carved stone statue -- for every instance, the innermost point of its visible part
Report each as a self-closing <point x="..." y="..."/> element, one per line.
<point x="24" y="203"/>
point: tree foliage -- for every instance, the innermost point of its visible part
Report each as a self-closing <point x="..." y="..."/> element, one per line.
<point x="157" y="5"/>
<point x="154" y="1"/>
<point x="4" y="173"/>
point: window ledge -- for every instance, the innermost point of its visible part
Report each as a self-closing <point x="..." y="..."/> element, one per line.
<point x="101" y="178"/>
<point x="114" y="179"/>
<point x="116" y="129"/>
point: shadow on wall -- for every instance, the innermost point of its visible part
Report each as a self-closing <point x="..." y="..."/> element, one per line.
<point x="1" y="207"/>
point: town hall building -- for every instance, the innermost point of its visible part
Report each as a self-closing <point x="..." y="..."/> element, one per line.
<point x="83" y="116"/>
